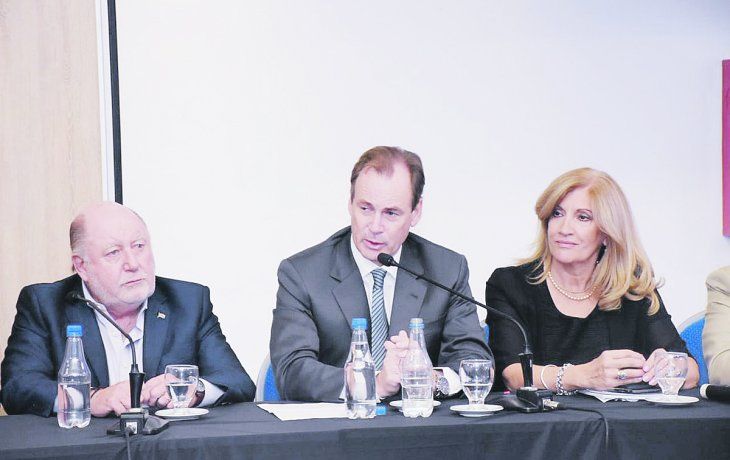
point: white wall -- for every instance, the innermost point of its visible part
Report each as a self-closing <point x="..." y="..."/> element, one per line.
<point x="241" y="122"/>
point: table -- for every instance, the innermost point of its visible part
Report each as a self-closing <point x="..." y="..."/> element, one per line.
<point x="637" y="430"/>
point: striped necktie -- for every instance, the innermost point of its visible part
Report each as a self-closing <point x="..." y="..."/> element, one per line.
<point x="378" y="320"/>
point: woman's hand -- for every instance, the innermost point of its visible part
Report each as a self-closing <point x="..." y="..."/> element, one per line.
<point x="649" y="376"/>
<point x="611" y="369"/>
<point x="693" y="370"/>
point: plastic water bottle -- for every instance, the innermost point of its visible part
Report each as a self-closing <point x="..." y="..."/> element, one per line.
<point x="360" y="396"/>
<point x="74" y="382"/>
<point x="417" y="374"/>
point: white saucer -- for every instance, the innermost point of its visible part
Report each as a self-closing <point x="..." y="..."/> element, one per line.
<point x="674" y="400"/>
<point x="186" y="413"/>
<point x="399" y="404"/>
<point x="476" y="410"/>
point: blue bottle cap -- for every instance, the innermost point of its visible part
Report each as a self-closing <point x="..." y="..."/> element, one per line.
<point x="359" y="323"/>
<point x="74" y="330"/>
<point x="380" y="409"/>
<point x="416" y="323"/>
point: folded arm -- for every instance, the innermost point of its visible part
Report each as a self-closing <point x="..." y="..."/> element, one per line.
<point x="217" y="363"/>
<point x="294" y="345"/>
<point x="28" y="371"/>
<point x="462" y="336"/>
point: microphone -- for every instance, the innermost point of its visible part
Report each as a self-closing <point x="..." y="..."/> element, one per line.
<point x="136" y="378"/>
<point x="530" y="398"/>
<point x="715" y="392"/>
<point x="136" y="420"/>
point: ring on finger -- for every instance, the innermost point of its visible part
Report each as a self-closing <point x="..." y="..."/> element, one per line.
<point x="622" y="374"/>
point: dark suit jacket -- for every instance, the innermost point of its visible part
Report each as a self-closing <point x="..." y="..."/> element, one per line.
<point x="321" y="290"/>
<point x="189" y="333"/>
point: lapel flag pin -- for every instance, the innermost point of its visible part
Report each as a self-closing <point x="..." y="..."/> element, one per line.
<point x="160" y="315"/>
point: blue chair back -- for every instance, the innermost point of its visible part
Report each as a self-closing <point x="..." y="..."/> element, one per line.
<point x="266" y="383"/>
<point x="270" y="391"/>
<point x="691" y="333"/>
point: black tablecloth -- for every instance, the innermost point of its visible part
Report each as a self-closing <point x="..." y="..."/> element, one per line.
<point x="637" y="430"/>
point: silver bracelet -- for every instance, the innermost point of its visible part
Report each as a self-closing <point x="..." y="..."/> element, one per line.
<point x="559" y="389"/>
<point x="542" y="375"/>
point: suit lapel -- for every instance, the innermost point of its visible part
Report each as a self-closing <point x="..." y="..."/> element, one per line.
<point x="350" y="292"/>
<point x="409" y="292"/>
<point x="156" y="320"/>
<point x="79" y="313"/>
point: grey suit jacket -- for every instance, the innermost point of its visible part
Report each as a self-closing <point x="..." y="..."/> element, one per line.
<point x="321" y="290"/>
<point x="716" y="334"/>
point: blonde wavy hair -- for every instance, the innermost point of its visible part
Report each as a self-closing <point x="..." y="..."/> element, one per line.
<point x="624" y="269"/>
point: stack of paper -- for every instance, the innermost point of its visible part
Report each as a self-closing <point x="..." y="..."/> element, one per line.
<point x="306" y="411"/>
<point x="605" y="396"/>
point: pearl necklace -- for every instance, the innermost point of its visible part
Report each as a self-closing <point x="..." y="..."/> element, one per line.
<point x="567" y="293"/>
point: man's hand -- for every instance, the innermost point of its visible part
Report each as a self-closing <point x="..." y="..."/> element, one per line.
<point x="111" y="399"/>
<point x="388" y="381"/>
<point x="154" y="393"/>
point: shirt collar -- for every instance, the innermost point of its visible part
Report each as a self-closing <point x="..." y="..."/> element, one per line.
<point x="140" y="315"/>
<point x="366" y="266"/>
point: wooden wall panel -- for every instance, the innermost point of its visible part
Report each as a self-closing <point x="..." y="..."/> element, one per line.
<point x="50" y="145"/>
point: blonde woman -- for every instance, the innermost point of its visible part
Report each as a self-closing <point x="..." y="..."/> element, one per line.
<point x="587" y="297"/>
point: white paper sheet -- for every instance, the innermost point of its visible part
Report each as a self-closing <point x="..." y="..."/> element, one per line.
<point x="306" y="411"/>
<point x="605" y="396"/>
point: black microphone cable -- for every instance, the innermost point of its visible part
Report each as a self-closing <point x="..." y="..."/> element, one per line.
<point x="561" y="406"/>
<point x="127" y="432"/>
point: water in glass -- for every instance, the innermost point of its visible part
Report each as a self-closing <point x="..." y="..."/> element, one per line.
<point x="670" y="370"/>
<point x="181" y="380"/>
<point x="476" y="379"/>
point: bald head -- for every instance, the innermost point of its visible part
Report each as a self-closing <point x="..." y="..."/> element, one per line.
<point x="92" y="213"/>
<point x="111" y="252"/>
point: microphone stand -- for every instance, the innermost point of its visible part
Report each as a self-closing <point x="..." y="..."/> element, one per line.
<point x="137" y="420"/>
<point x="529" y="398"/>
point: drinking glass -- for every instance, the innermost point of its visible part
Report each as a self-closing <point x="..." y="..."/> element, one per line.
<point x="181" y="380"/>
<point x="476" y="379"/>
<point x="670" y="371"/>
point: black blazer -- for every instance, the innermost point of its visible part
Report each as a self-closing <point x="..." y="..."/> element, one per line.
<point x="180" y="327"/>
<point x="553" y="336"/>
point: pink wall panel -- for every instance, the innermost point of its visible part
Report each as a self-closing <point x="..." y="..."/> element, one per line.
<point x="726" y="148"/>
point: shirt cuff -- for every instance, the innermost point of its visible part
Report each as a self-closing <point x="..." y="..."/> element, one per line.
<point x="453" y="379"/>
<point x="212" y="394"/>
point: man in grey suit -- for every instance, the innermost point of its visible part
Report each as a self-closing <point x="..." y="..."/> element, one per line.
<point x="322" y="288"/>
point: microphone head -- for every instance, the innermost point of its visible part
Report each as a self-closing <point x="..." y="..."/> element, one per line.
<point x="386" y="259"/>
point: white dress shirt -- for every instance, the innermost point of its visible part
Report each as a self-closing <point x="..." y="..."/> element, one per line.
<point x="116" y="346"/>
<point x="366" y="268"/>
<point x="119" y="353"/>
